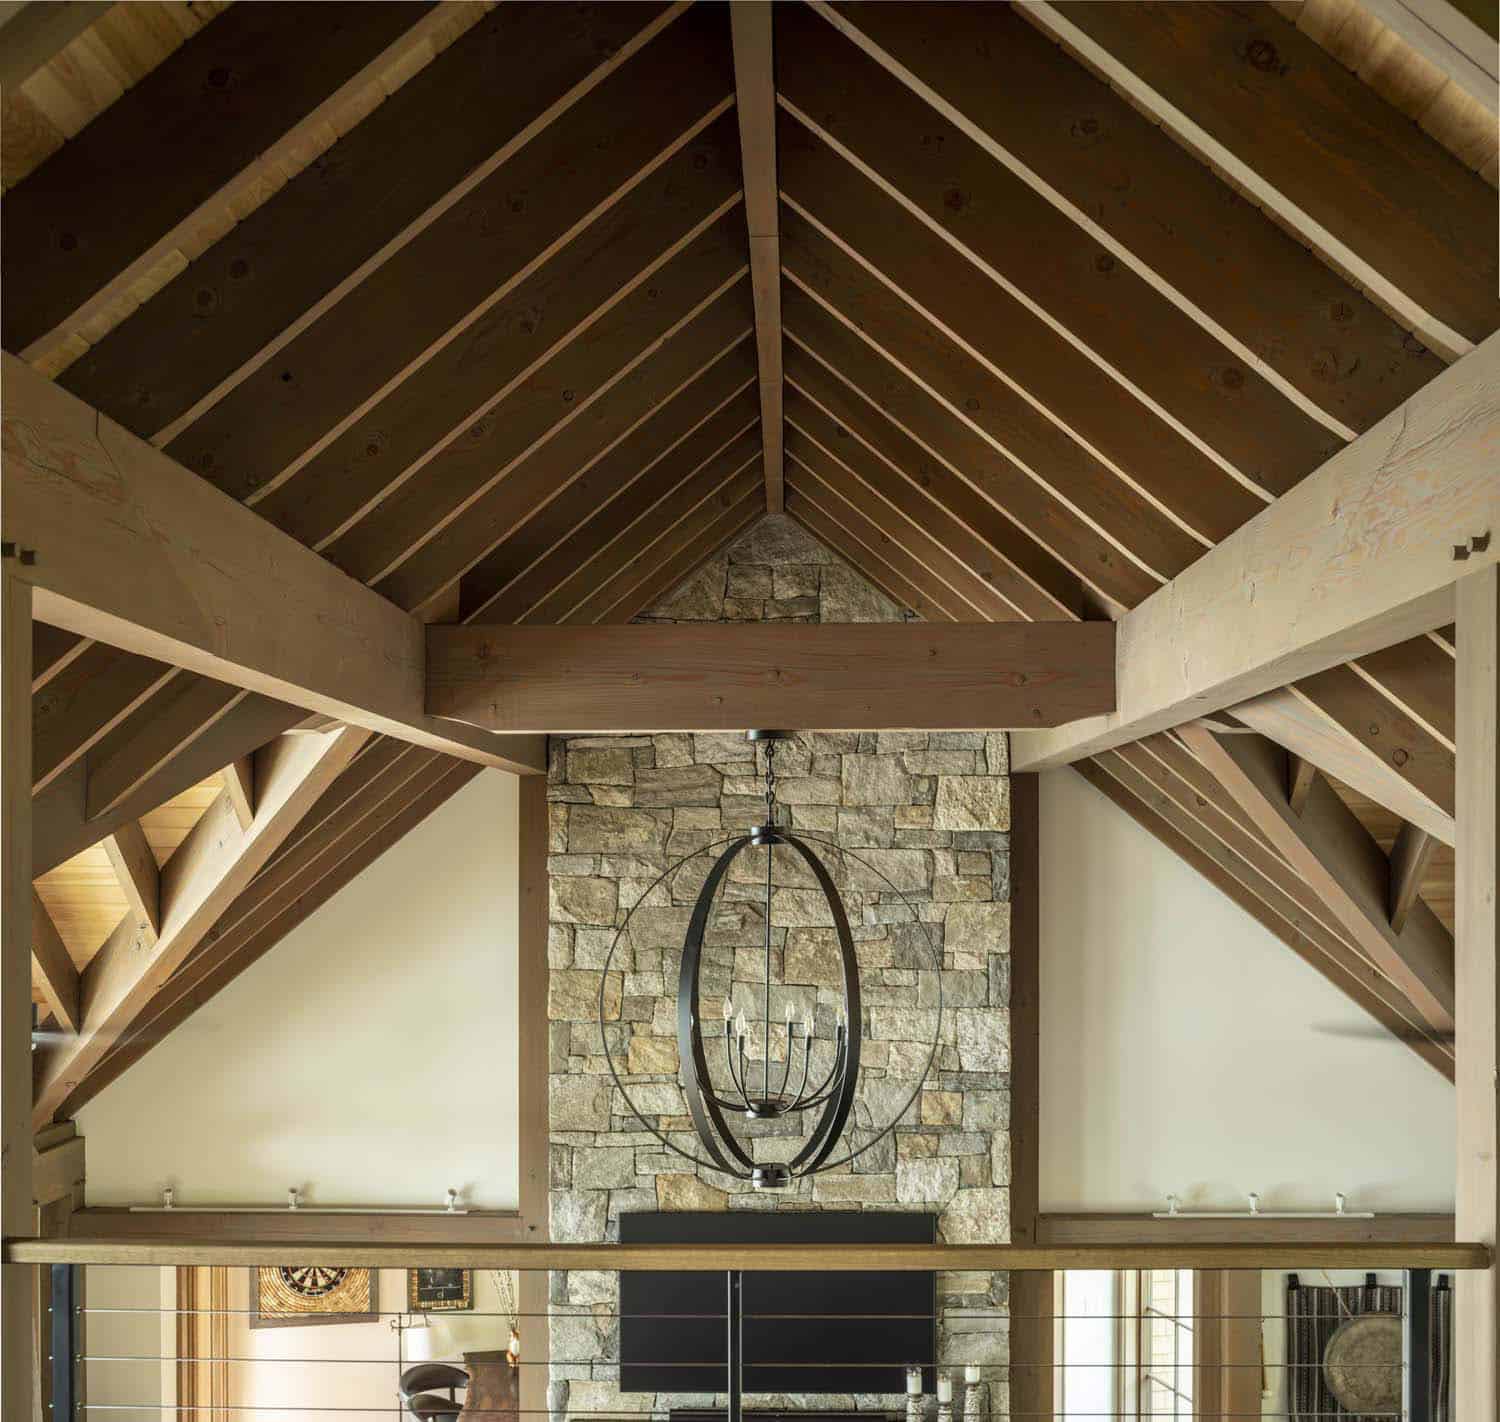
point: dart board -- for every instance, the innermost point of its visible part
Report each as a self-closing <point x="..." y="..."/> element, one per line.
<point x="310" y="1293"/>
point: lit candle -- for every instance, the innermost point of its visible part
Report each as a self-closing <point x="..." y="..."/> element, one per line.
<point x="728" y="1009"/>
<point x="971" y="1372"/>
<point x="945" y="1387"/>
<point x="914" y="1381"/>
<point x="741" y="1027"/>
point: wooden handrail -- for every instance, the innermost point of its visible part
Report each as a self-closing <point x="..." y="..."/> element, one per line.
<point x="1340" y="1254"/>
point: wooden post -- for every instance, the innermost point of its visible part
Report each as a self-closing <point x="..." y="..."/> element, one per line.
<point x="17" y="1211"/>
<point x="531" y="1082"/>
<point x="1476" y="1313"/>
<point x="1031" y="1294"/>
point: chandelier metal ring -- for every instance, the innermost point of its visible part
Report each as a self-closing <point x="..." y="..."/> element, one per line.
<point x="706" y="1107"/>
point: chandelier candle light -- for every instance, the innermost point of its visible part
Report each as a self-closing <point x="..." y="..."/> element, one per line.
<point x="757" y="1096"/>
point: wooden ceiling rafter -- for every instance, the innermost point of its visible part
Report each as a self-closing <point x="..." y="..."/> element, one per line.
<point x="1148" y="203"/>
<point x="1341" y="860"/>
<point x="693" y="424"/>
<point x="988" y="217"/>
<point x="1360" y="982"/>
<point x="84" y="702"/>
<point x="215" y="862"/>
<point x="1093" y="504"/>
<point x="1302" y="729"/>
<point x="1407" y="223"/>
<point x="54" y="975"/>
<point x="349" y="826"/>
<point x="931" y="542"/>
<point x="671" y="535"/>
<point x="688" y="557"/>
<point x="136" y="224"/>
<point x="752" y="26"/>
<point x="60" y="828"/>
<point x="383" y="185"/>
<point x="606" y="544"/>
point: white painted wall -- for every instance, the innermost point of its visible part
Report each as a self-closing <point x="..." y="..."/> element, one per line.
<point x="368" y="1059"/>
<point x="1178" y="1050"/>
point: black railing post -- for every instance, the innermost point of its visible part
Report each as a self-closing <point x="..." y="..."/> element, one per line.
<point x="1419" y="1345"/>
<point x="735" y="1309"/>
<point x="64" y="1340"/>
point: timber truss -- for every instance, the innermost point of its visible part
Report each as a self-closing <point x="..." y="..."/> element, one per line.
<point x="1164" y="326"/>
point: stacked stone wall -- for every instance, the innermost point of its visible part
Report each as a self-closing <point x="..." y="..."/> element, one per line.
<point x="921" y="821"/>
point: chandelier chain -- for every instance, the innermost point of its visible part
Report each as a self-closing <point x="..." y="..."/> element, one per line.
<point x="771" y="783"/>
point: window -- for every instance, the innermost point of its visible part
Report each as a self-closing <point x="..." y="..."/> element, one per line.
<point x="1161" y="1305"/>
<point x="1125" y="1343"/>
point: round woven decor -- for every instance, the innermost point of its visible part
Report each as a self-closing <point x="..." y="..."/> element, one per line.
<point x="1362" y="1363"/>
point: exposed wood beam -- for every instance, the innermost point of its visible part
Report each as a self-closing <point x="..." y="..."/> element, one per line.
<point x="822" y="476"/>
<point x="1178" y="789"/>
<point x="227" y="169"/>
<point x="53" y="651"/>
<point x="1070" y="502"/>
<point x="905" y="579"/>
<point x="60" y="826"/>
<point x="37" y="33"/>
<point x="1361" y="554"/>
<point x="1170" y="767"/>
<point x="866" y="401"/>
<point x="531" y="1002"/>
<point x="1148" y="203"/>
<point x="1361" y="707"/>
<point x="1354" y="976"/>
<point x="752" y="25"/>
<point x="442" y="295"/>
<point x="135" y="550"/>
<point x="337" y="838"/>
<point x="1340" y="859"/>
<point x="1288" y="718"/>
<point x="1050" y="396"/>
<point x="753" y="1258"/>
<point x="722" y="676"/>
<point x="574" y="528"/>
<point x="239" y="784"/>
<point x="139" y="878"/>
<point x="1410" y="856"/>
<point x="159" y="730"/>
<point x="17" y="1210"/>
<point x="987" y="216"/>
<point x="683" y="552"/>
<point x="656" y="338"/>
<point x="85" y="701"/>
<point x="1476" y="1344"/>
<point x="52" y="967"/>
<point x="1404" y="219"/>
<point x="1104" y="1228"/>
<point x="209" y="869"/>
<point x="621" y="535"/>
<point x="392" y="175"/>
<point x="1299" y="779"/>
<point x="666" y="543"/>
<point x="1031" y="1299"/>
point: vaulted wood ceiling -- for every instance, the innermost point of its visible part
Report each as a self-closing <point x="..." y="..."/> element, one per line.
<point x="1020" y="310"/>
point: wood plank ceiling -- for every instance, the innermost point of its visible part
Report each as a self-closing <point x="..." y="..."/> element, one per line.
<point x="477" y="302"/>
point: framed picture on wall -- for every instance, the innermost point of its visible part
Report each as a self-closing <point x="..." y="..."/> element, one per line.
<point x="439" y="1290"/>
<point x="293" y="1294"/>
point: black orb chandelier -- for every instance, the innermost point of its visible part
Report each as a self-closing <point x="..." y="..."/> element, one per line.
<point x="753" y="1091"/>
